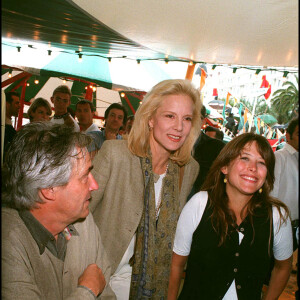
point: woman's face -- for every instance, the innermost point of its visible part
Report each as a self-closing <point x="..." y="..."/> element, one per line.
<point x="171" y="123"/>
<point x="247" y="173"/>
<point x="40" y="114"/>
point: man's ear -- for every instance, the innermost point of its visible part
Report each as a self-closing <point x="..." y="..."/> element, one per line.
<point x="47" y="194"/>
<point x="52" y="99"/>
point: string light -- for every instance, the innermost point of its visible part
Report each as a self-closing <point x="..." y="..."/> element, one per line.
<point x="64" y="81"/>
<point x="36" y="81"/>
<point x="166" y="59"/>
<point x="80" y="57"/>
<point x="122" y="95"/>
<point x="28" y="84"/>
<point x="94" y="89"/>
<point x="9" y="73"/>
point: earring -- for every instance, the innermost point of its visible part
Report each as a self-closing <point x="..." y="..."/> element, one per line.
<point x="260" y="190"/>
<point x="225" y="180"/>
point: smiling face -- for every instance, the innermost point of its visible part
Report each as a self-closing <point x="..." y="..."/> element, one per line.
<point x="171" y="124"/>
<point x="72" y="200"/>
<point x="40" y="114"/>
<point x="245" y="174"/>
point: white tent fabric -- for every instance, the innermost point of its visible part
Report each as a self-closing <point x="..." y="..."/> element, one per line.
<point x="257" y="33"/>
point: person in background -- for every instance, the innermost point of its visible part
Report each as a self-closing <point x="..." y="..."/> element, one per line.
<point x="85" y="112"/>
<point x="39" y="110"/>
<point x="144" y="183"/>
<point x="286" y="185"/>
<point x="205" y="151"/>
<point x="51" y="247"/>
<point x="214" y="133"/>
<point x="61" y="99"/>
<point x="229" y="231"/>
<point x="230" y="122"/>
<point x="12" y="110"/>
<point x="128" y="127"/>
<point x="115" y="117"/>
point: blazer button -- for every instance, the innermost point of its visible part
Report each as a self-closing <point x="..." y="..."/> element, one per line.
<point x="235" y="270"/>
<point x="242" y="229"/>
<point x="237" y="254"/>
<point x="238" y="287"/>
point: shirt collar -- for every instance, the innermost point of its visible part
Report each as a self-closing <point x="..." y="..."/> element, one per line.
<point x="39" y="233"/>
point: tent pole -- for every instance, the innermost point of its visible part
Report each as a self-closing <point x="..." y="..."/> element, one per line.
<point x="22" y="99"/>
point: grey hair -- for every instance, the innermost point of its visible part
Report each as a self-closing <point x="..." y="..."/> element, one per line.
<point x="42" y="155"/>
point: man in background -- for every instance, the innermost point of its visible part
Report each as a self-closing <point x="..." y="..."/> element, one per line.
<point x="115" y="117"/>
<point x="51" y="247"/>
<point x="286" y="185"/>
<point x="206" y="149"/>
<point x="12" y="110"/>
<point x="61" y="100"/>
<point x="84" y="113"/>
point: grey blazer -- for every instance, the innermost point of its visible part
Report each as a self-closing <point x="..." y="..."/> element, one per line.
<point x="117" y="205"/>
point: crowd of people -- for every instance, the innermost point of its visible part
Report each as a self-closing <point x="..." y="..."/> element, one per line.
<point x="95" y="214"/>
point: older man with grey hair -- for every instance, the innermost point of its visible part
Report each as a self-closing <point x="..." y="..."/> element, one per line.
<point x="51" y="247"/>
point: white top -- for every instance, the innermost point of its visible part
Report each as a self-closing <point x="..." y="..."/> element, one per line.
<point x="286" y="186"/>
<point x="190" y="218"/>
<point x="93" y="127"/>
<point x="61" y="121"/>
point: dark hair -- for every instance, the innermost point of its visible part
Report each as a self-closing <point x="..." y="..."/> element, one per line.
<point x="8" y="96"/>
<point x="62" y="89"/>
<point x="292" y="125"/>
<point x="42" y="155"/>
<point x="222" y="217"/>
<point x="131" y="117"/>
<point x="116" y="106"/>
<point x="86" y="102"/>
<point x="219" y="133"/>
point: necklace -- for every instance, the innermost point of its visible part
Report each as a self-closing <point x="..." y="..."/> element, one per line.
<point x="159" y="203"/>
<point x="61" y="117"/>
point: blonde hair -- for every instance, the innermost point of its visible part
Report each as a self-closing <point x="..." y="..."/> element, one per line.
<point x="138" y="139"/>
<point x="39" y="102"/>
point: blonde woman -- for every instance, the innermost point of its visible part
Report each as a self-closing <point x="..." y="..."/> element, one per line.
<point x="143" y="186"/>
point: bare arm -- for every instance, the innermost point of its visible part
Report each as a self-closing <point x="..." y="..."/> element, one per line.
<point x="279" y="278"/>
<point x="177" y="266"/>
